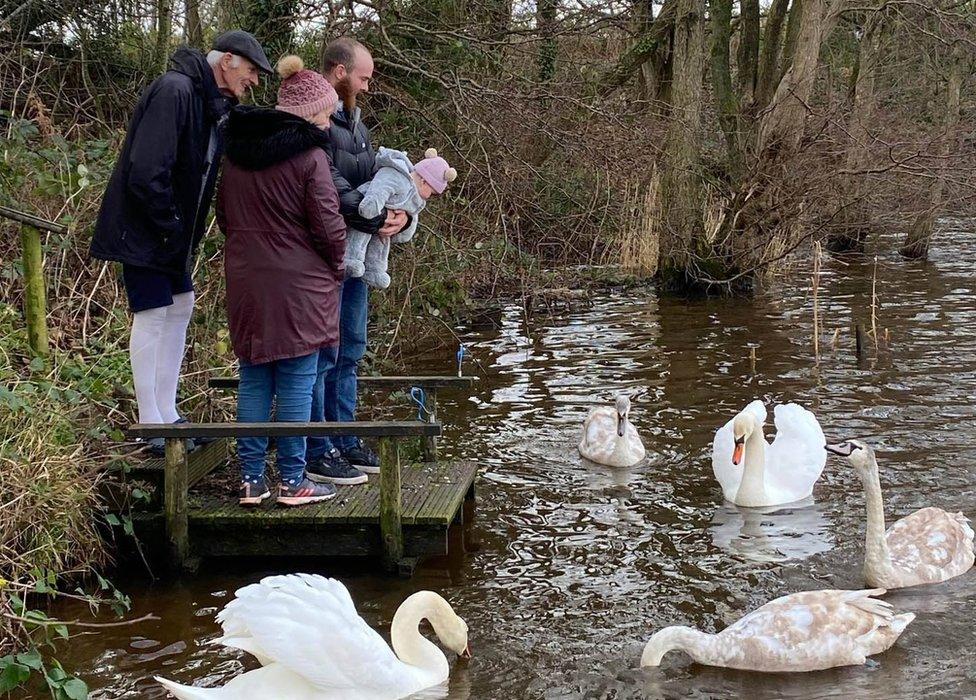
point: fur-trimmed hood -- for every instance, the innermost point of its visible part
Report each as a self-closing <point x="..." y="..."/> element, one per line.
<point x="257" y="137"/>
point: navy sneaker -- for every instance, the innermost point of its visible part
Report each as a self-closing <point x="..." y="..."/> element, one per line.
<point x="304" y="492"/>
<point x="197" y="442"/>
<point x="363" y="458"/>
<point x="333" y="468"/>
<point x="154" y="447"/>
<point x="253" y="493"/>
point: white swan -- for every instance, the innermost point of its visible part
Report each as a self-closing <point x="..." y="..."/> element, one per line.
<point x="610" y="438"/>
<point x="772" y="474"/>
<point x="313" y="645"/>
<point x="928" y="546"/>
<point x="806" y="631"/>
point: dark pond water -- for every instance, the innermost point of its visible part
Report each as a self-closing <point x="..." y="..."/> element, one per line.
<point x="578" y="564"/>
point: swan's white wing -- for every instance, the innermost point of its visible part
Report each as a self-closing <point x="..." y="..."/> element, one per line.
<point x="309" y="624"/>
<point x="234" y="616"/>
<point x="797" y="457"/>
<point x="729" y="475"/>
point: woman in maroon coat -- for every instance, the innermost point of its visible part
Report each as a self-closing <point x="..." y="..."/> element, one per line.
<point x="278" y="209"/>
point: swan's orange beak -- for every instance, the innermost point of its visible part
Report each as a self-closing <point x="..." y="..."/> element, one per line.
<point x="466" y="654"/>
<point x="740" y="446"/>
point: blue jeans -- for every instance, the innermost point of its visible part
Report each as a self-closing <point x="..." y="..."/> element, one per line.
<point x="318" y="446"/>
<point x="334" y="398"/>
<point x="288" y="383"/>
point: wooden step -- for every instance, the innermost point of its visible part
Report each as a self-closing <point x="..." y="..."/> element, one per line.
<point x="200" y="463"/>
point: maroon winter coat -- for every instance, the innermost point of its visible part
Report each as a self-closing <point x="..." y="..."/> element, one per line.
<point x="278" y="208"/>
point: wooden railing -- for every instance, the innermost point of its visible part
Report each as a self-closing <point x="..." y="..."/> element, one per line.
<point x="175" y="485"/>
<point x="430" y="385"/>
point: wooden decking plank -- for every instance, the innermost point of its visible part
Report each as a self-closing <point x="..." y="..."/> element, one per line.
<point x="418" y="480"/>
<point x="369" y="505"/>
<point x="428" y="511"/>
<point x="343" y="506"/>
<point x="436" y="510"/>
<point x="447" y="496"/>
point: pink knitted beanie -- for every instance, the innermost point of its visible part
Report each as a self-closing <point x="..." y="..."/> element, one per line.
<point x="303" y="92"/>
<point x="435" y="171"/>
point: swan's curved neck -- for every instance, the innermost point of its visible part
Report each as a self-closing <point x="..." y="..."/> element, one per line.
<point x="409" y="645"/>
<point x="698" y="645"/>
<point x="876" y="554"/>
<point x="752" y="489"/>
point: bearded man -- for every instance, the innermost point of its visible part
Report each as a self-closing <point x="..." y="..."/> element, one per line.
<point x="348" y="66"/>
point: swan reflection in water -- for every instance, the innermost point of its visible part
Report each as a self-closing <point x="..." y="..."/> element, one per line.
<point x="618" y="484"/>
<point x="773" y="534"/>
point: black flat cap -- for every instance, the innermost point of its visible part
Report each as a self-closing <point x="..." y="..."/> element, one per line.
<point x="241" y="43"/>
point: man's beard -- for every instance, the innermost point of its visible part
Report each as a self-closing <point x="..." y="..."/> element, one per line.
<point x="347" y="95"/>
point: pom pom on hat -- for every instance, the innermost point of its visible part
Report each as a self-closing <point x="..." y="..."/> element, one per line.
<point x="435" y="171"/>
<point x="303" y="92"/>
<point x="289" y="65"/>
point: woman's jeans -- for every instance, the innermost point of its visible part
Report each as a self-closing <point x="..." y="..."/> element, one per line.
<point x="288" y="384"/>
<point x="334" y="397"/>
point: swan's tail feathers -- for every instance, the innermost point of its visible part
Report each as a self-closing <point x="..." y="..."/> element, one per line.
<point x="964" y="523"/>
<point x="900" y="622"/>
<point x="884" y="635"/>
<point x="185" y="692"/>
<point x="865" y="601"/>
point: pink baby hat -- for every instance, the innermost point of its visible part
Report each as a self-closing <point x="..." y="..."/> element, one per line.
<point x="435" y="171"/>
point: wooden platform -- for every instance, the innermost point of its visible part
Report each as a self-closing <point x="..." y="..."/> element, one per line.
<point x="432" y="494"/>
<point x="404" y="512"/>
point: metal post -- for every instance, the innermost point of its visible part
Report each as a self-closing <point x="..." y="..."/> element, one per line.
<point x="430" y="441"/>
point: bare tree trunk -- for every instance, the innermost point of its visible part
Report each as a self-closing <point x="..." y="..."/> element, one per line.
<point x="164" y="26"/>
<point x="852" y="230"/>
<point x="782" y="127"/>
<point x="642" y="51"/>
<point x="656" y="68"/>
<point x="769" y="59"/>
<point x="682" y="220"/>
<point x="194" y="29"/>
<point x="920" y="234"/>
<point x="728" y="106"/>
<point x="748" y="53"/>
<point x="793" y="24"/>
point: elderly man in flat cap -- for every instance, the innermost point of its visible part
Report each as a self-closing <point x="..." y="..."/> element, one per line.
<point x="154" y="210"/>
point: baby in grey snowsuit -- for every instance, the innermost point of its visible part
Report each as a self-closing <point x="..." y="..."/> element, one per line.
<point x="397" y="184"/>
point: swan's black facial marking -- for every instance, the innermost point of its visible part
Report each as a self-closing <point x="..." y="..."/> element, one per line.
<point x="844" y="449"/>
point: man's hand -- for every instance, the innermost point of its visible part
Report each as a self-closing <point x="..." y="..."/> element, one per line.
<point x="396" y="219"/>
